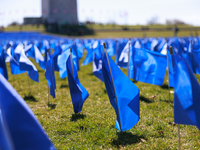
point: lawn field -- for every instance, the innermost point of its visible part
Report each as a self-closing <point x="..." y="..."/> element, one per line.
<point x="94" y="127"/>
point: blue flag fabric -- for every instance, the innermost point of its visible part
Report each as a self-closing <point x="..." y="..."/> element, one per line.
<point x="26" y="65"/>
<point x="3" y="68"/>
<point x="57" y="52"/>
<point x="149" y="66"/>
<point x="14" y="65"/>
<point x="171" y="78"/>
<point x="196" y="54"/>
<point x="123" y="59"/>
<point x="127" y="95"/>
<point x="78" y="93"/>
<point x="25" y="131"/>
<point x="186" y="94"/>
<point x="62" y="59"/>
<point x="97" y="66"/>
<point x="49" y="74"/>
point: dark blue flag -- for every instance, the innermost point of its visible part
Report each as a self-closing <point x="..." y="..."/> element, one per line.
<point x="186" y="94"/>
<point x="127" y="93"/>
<point x="78" y="93"/>
<point x="3" y="68"/>
<point x="25" y="131"/>
<point x="49" y="74"/>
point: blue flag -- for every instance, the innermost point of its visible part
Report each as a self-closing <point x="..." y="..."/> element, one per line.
<point x="123" y="59"/>
<point x="61" y="61"/>
<point x="127" y="95"/>
<point x="14" y="65"/>
<point x="171" y="78"/>
<point x="78" y="93"/>
<point x="149" y="66"/>
<point x="49" y="74"/>
<point x="3" y="68"/>
<point x="25" y="131"/>
<point x="26" y="65"/>
<point x="186" y="94"/>
<point x="97" y="67"/>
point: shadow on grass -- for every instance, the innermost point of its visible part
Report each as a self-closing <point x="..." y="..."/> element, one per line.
<point x="91" y="74"/>
<point x="30" y="97"/>
<point x="64" y="86"/>
<point x="127" y="138"/>
<point x="75" y="117"/>
<point x="52" y="105"/>
<point x="144" y="99"/>
<point x="167" y="101"/>
<point x="165" y="86"/>
<point x="40" y="70"/>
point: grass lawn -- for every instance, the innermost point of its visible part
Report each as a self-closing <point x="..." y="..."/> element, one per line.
<point x="94" y="127"/>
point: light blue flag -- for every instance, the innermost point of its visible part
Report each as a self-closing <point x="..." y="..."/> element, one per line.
<point x="95" y="47"/>
<point x="128" y="111"/>
<point x="78" y="93"/>
<point x="111" y="44"/>
<point x="49" y="74"/>
<point x="25" y="132"/>
<point x="3" y="68"/>
<point x="14" y="65"/>
<point x="123" y="58"/>
<point x="62" y="59"/>
<point x="186" y="93"/>
<point x="149" y="66"/>
<point x="26" y="65"/>
<point x="97" y="66"/>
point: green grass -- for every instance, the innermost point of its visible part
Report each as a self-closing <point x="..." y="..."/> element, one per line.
<point x="94" y="127"/>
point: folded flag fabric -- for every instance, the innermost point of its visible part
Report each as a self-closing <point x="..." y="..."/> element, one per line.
<point x="97" y="66"/>
<point x="49" y="74"/>
<point x="78" y="93"/>
<point x="123" y="59"/>
<point x="26" y="65"/>
<point x="148" y="66"/>
<point x="61" y="62"/>
<point x="14" y="65"/>
<point x="3" y="68"/>
<point x="127" y="93"/>
<point x="22" y="129"/>
<point x="186" y="93"/>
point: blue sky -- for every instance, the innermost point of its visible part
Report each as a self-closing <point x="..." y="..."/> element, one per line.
<point x="130" y="12"/>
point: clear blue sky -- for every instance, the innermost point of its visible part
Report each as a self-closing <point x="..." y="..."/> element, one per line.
<point x="109" y="11"/>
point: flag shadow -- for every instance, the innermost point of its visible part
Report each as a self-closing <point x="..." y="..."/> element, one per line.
<point x="127" y="138"/>
<point x="52" y="105"/>
<point x="64" y="86"/>
<point x="30" y="97"/>
<point x="77" y="116"/>
<point x="144" y="99"/>
<point x="165" y="86"/>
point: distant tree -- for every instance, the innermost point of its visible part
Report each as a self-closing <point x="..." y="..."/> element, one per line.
<point x="175" y="22"/>
<point x="153" y="21"/>
<point x="14" y="23"/>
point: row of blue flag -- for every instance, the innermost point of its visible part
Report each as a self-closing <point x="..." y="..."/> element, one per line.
<point x="145" y="62"/>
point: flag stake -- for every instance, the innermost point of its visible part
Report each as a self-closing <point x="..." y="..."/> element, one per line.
<point x="113" y="85"/>
<point x="71" y="62"/>
<point x="28" y="84"/>
<point x="179" y="141"/>
<point x="170" y="48"/>
<point x="129" y="45"/>
<point x="48" y="89"/>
